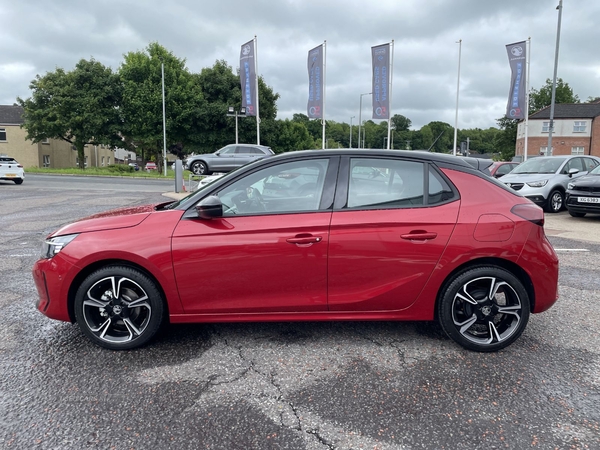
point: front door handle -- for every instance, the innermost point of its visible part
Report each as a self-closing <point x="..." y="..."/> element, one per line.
<point x="419" y="236"/>
<point x="304" y="239"/>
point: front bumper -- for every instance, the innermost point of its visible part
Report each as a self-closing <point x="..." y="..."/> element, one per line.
<point x="52" y="279"/>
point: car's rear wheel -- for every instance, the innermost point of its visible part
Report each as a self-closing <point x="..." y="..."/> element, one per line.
<point x="555" y="202"/>
<point x="576" y="214"/>
<point x="119" y="308"/>
<point x="18" y="180"/>
<point x="199" y="168"/>
<point x="484" y="309"/>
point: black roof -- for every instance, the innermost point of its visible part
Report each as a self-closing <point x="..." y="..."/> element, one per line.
<point x="569" y="111"/>
<point x="11" y="115"/>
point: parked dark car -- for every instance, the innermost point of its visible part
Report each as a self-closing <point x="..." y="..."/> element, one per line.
<point x="311" y="236"/>
<point x="226" y="159"/>
<point x="500" y="168"/>
<point x="583" y="194"/>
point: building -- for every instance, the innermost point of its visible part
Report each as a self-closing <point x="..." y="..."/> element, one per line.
<point x="576" y="130"/>
<point x="53" y="153"/>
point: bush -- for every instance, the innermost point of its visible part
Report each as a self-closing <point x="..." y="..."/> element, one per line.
<point x="120" y="168"/>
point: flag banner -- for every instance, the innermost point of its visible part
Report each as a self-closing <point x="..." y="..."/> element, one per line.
<point x="248" y="78"/>
<point x="517" y="95"/>
<point x="381" y="81"/>
<point x="314" y="107"/>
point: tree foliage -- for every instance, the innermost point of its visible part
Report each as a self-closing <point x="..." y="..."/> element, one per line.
<point x="539" y="99"/>
<point x="80" y="107"/>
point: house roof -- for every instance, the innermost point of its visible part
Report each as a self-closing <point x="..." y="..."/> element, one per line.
<point x="569" y="111"/>
<point x="11" y="115"/>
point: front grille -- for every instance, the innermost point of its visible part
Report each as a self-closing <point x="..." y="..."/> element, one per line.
<point x="593" y="190"/>
<point x="516" y="186"/>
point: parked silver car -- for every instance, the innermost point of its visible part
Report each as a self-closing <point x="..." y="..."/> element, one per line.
<point x="544" y="180"/>
<point x="226" y="159"/>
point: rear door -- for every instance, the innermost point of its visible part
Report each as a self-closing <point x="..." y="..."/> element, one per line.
<point x="392" y="220"/>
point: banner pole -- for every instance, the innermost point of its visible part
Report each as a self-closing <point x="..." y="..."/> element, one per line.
<point x="527" y="99"/>
<point x="324" y="89"/>
<point x="256" y="73"/>
<point x="390" y="94"/>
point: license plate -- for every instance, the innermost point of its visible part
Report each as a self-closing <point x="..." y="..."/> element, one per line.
<point x="10" y="175"/>
<point x="588" y="199"/>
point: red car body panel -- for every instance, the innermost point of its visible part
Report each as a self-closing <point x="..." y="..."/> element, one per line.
<point x="220" y="265"/>
<point x="330" y="265"/>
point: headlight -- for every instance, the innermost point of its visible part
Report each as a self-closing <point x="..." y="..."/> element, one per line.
<point x="541" y="183"/>
<point x="571" y="186"/>
<point x="52" y="246"/>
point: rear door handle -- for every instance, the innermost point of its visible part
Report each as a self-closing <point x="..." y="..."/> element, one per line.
<point x="419" y="236"/>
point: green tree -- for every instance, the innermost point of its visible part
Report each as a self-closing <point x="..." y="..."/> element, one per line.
<point x="291" y="136"/>
<point x="539" y="99"/>
<point x="443" y="136"/>
<point x="185" y="107"/>
<point x="400" y="123"/>
<point x="80" y="107"/>
<point x="506" y="139"/>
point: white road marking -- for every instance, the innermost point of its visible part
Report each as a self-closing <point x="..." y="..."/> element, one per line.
<point x="571" y="250"/>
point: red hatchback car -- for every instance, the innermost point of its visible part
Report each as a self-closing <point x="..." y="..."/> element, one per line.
<point x="307" y="236"/>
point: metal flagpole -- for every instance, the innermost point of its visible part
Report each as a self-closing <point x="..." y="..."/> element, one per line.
<point x="162" y="69"/>
<point x="457" y="90"/>
<point x="390" y="94"/>
<point x="256" y="72"/>
<point x="527" y="99"/>
<point x="551" y="129"/>
<point x="324" y="88"/>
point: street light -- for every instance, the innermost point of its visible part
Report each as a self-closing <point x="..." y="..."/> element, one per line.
<point x="162" y="72"/>
<point x="231" y="112"/>
<point x="359" y="116"/>
<point x="351" y="131"/>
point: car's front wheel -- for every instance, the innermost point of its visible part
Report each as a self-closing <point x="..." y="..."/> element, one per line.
<point x="199" y="168"/>
<point x="119" y="308"/>
<point x="484" y="309"/>
<point x="555" y="201"/>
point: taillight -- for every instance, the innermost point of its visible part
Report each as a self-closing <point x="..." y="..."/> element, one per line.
<point x="530" y="212"/>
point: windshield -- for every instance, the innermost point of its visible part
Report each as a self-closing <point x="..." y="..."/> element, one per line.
<point x="540" y="165"/>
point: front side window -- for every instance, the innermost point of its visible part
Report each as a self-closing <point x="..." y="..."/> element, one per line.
<point x="284" y="188"/>
<point x="230" y="149"/>
<point x="2" y="134"/>
<point x="575" y="163"/>
<point x="579" y="126"/>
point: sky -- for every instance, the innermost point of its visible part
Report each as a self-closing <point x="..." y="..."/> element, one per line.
<point x="37" y="36"/>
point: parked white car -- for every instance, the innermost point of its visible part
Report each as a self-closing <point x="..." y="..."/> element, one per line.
<point x="11" y="170"/>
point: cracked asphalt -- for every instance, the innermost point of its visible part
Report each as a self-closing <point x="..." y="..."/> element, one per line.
<point x="354" y="385"/>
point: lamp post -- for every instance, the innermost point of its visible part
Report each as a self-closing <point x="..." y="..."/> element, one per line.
<point x="552" y="101"/>
<point x="351" y="131"/>
<point x="231" y="112"/>
<point x="459" y="42"/>
<point x="360" y="115"/>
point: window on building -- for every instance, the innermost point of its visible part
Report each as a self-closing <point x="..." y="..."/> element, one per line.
<point x="103" y="161"/>
<point x="46" y="141"/>
<point x="2" y="134"/>
<point x="108" y="160"/>
<point x="579" y="126"/>
<point x="545" y="127"/>
<point x="576" y="150"/>
<point x="46" y="160"/>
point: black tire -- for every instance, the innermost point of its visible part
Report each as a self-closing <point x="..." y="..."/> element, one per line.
<point x="474" y="320"/>
<point x="199" y="168"/>
<point x="123" y="320"/>
<point x="556" y="201"/>
<point x="576" y="214"/>
<point x="18" y="180"/>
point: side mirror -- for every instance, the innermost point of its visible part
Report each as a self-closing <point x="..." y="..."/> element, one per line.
<point x="210" y="208"/>
<point x="573" y="172"/>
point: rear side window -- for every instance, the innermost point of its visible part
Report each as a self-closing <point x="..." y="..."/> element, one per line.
<point x="380" y="183"/>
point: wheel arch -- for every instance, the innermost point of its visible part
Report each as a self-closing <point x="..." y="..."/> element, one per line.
<point x="199" y="160"/>
<point x="86" y="271"/>
<point x="509" y="266"/>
